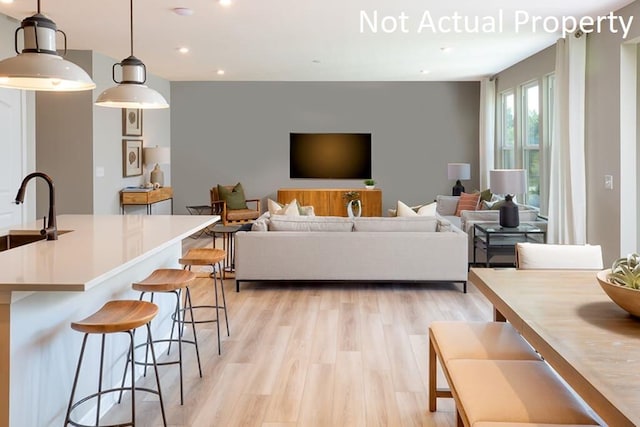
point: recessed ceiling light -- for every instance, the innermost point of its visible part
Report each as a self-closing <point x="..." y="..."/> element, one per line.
<point x="424" y="71"/>
<point x="182" y="11"/>
<point x="183" y="49"/>
<point x="446" y="49"/>
<point x="224" y="2"/>
<point x="6" y="1"/>
<point x="220" y="72"/>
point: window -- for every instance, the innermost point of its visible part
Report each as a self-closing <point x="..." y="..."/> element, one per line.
<point x="531" y="141"/>
<point x="525" y="125"/>
<point x="506" y="149"/>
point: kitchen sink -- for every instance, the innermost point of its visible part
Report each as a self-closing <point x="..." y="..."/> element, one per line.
<point x="17" y="238"/>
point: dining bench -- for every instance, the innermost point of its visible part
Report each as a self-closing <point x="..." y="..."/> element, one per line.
<point x="496" y="377"/>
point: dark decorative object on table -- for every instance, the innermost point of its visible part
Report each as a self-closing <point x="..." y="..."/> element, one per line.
<point x="509" y="216"/>
<point x="457" y="189"/>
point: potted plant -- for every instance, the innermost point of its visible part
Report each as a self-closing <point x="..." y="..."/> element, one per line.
<point x="353" y="204"/>
<point x="622" y="283"/>
<point x="369" y="184"/>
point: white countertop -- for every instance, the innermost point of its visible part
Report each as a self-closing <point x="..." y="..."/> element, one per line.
<point x="99" y="247"/>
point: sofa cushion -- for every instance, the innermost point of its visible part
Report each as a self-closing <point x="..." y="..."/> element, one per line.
<point x="418" y="223"/>
<point x="446" y="205"/>
<point x="444" y="225"/>
<point x="467" y="202"/>
<point x="314" y="223"/>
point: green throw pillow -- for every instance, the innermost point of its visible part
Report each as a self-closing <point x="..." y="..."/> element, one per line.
<point x="234" y="197"/>
<point x="486" y="195"/>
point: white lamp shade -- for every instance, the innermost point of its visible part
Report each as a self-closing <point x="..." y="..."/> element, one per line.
<point x="131" y="95"/>
<point x="459" y="171"/>
<point x="157" y="155"/>
<point x="43" y="71"/>
<point x="508" y="181"/>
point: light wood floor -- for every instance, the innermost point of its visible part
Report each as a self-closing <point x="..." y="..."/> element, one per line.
<point x="314" y="355"/>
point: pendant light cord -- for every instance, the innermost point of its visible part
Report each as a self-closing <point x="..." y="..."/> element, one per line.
<point x="131" y="23"/>
<point x="38" y="7"/>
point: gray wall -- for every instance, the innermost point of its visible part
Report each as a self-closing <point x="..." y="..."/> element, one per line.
<point x="230" y="132"/>
<point x="602" y="143"/>
<point x="64" y="146"/>
<point x="534" y="67"/>
<point x="603" y="135"/>
<point x="75" y="137"/>
<point x="107" y="142"/>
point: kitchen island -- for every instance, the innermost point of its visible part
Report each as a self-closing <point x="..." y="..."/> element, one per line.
<point x="45" y="285"/>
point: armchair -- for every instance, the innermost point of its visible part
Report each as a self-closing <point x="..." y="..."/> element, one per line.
<point x="236" y="212"/>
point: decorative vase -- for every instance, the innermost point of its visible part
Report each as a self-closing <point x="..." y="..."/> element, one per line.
<point x="354" y="208"/>
<point x="370" y="187"/>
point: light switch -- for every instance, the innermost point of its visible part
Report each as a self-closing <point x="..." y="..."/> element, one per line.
<point x="608" y="182"/>
<point x="99" y="171"/>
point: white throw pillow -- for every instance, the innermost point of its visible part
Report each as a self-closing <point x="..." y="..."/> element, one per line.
<point x="290" y="209"/>
<point x="273" y="206"/>
<point x="428" y="210"/>
<point x="404" y="210"/>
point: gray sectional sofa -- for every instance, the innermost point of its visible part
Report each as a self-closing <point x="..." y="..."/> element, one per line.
<point x="422" y="249"/>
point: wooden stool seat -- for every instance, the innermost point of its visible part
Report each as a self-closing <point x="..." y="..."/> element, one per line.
<point x="214" y="258"/>
<point x="165" y="280"/>
<point x="513" y="391"/>
<point x="117" y="316"/>
<point x="203" y="256"/>
<point x="170" y="280"/>
<point x="123" y="316"/>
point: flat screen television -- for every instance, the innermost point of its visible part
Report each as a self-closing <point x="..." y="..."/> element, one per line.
<point x="330" y="155"/>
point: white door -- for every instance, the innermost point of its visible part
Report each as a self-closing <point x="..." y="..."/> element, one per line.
<point x="12" y="155"/>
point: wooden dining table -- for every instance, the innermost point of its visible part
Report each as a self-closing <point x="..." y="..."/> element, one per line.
<point x="565" y="315"/>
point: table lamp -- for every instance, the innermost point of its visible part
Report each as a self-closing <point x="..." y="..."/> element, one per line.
<point x="508" y="182"/>
<point x="458" y="171"/>
<point x="157" y="155"/>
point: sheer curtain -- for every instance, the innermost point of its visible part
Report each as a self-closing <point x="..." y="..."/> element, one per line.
<point x="567" y="187"/>
<point x="487" y="129"/>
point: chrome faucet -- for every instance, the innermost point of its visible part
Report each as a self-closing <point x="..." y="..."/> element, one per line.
<point x="51" y="231"/>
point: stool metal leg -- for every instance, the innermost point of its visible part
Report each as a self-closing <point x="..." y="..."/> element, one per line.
<point x="133" y="378"/>
<point x="224" y="302"/>
<point x="193" y="327"/>
<point x="217" y="308"/>
<point x="75" y="380"/>
<point x="155" y="368"/>
<point x="100" y="379"/>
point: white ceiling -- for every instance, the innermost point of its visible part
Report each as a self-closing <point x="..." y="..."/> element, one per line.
<point x="305" y="40"/>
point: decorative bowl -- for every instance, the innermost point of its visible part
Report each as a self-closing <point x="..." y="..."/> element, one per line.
<point x="626" y="298"/>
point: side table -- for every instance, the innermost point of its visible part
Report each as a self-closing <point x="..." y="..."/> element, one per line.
<point x="145" y="197"/>
<point x="492" y="239"/>
<point x="227" y="232"/>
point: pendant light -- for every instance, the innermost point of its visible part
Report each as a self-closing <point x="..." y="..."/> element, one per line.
<point x="38" y="66"/>
<point x="131" y="92"/>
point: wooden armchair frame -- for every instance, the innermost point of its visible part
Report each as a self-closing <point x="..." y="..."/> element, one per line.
<point x="219" y="207"/>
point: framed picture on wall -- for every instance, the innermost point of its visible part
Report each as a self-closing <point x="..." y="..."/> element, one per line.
<point x="131" y="157"/>
<point x="131" y="122"/>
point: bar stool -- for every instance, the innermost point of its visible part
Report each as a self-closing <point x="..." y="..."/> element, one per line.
<point x="214" y="258"/>
<point x="116" y="316"/>
<point x="170" y="280"/>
